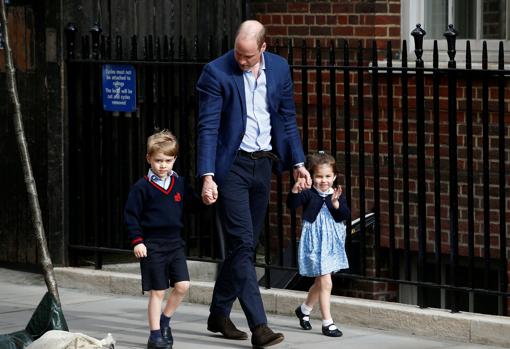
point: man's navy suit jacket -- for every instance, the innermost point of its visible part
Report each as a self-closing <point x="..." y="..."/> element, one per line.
<point x="222" y="115"/>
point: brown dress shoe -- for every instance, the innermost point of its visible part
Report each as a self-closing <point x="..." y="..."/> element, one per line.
<point x="225" y="326"/>
<point x="262" y="336"/>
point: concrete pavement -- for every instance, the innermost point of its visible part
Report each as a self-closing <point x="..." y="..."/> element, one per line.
<point x="95" y="313"/>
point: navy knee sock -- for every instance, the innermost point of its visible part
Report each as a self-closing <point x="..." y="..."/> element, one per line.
<point x="164" y="321"/>
<point x="155" y="335"/>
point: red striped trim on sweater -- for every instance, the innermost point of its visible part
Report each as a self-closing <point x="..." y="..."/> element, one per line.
<point x="166" y="192"/>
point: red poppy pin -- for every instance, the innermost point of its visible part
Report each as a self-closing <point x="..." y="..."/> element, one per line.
<point x="177" y="197"/>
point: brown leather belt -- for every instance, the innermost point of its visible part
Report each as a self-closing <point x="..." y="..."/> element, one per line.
<point x="258" y="154"/>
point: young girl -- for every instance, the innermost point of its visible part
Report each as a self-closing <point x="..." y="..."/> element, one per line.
<point x="322" y="245"/>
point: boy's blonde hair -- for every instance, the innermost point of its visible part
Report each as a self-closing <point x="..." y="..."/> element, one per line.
<point x="320" y="158"/>
<point x="163" y="141"/>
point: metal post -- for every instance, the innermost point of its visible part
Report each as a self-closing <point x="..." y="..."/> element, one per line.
<point x="418" y="33"/>
<point x="375" y="140"/>
<point x="451" y="35"/>
<point x="318" y="93"/>
<point x="405" y="161"/>
<point x="304" y="92"/>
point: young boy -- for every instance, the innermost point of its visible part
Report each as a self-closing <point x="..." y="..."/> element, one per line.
<point x="153" y="216"/>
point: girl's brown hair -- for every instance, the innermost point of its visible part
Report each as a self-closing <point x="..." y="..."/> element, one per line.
<point x="320" y="158"/>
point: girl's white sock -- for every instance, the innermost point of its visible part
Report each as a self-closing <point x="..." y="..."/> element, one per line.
<point x="305" y="309"/>
<point x="326" y="323"/>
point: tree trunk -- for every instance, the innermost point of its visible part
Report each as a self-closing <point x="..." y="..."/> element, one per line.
<point x="33" y="198"/>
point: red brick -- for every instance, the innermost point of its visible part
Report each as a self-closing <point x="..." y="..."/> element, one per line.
<point x="320" y="20"/>
<point x="343" y="19"/>
<point x="363" y="31"/>
<point x="276" y="7"/>
<point x="343" y="31"/>
<point x="395" y="8"/>
<point x="342" y="8"/>
<point x="364" y="7"/>
<point x="298" y="19"/>
<point x="276" y="30"/>
<point x="287" y="19"/>
<point x="381" y="31"/>
<point x="266" y="19"/>
<point x="381" y="8"/>
<point x="394" y="31"/>
<point x="299" y="30"/>
<point x="383" y="19"/>
<point x="320" y="8"/>
<point x="353" y="19"/>
<point x="276" y="19"/>
<point x="298" y="7"/>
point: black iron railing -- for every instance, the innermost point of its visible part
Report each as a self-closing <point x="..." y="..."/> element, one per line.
<point x="422" y="149"/>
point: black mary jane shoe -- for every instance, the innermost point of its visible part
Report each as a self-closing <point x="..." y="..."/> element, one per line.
<point x="327" y="331"/>
<point x="166" y="333"/>
<point x="305" y="324"/>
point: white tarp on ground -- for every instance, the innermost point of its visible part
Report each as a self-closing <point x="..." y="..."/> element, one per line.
<point x="69" y="340"/>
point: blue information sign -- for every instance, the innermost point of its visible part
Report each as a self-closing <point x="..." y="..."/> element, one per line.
<point x="119" y="87"/>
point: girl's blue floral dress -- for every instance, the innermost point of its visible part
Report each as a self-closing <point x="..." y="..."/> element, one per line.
<point x="322" y="245"/>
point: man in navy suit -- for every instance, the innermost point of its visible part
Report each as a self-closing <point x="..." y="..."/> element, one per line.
<point x="247" y="126"/>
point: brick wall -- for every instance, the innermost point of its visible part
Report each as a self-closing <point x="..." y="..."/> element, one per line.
<point x="325" y="20"/>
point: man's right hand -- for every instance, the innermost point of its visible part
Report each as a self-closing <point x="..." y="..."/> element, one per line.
<point x="209" y="190"/>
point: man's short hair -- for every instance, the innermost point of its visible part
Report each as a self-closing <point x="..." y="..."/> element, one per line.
<point x="259" y="35"/>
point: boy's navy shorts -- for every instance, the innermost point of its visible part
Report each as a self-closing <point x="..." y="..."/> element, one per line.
<point x="164" y="265"/>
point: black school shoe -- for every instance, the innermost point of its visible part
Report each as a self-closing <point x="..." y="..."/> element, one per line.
<point x="305" y="324"/>
<point x="166" y="333"/>
<point x="160" y="343"/>
<point x="331" y="333"/>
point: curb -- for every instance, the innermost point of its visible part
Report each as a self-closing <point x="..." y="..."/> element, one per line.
<point x="409" y="319"/>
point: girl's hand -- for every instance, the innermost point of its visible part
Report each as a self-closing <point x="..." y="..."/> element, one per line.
<point x="337" y="192"/>
<point x="299" y="186"/>
<point x="302" y="172"/>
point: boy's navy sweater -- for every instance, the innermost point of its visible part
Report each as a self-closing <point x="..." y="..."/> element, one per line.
<point x="153" y="212"/>
<point x="312" y="203"/>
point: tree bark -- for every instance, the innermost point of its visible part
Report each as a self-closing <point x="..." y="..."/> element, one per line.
<point x="44" y="255"/>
